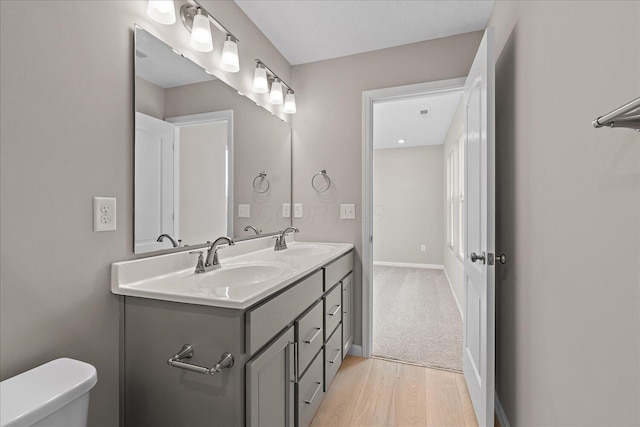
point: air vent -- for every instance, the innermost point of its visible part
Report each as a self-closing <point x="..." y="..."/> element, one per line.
<point x="425" y="112"/>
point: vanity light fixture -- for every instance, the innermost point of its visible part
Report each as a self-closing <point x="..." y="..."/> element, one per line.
<point x="275" y="96"/>
<point x="201" y="33"/>
<point x="262" y="77"/>
<point x="197" y="20"/>
<point x="290" y="102"/>
<point x="162" y="11"/>
<point x="260" y="82"/>
<point x="229" y="61"/>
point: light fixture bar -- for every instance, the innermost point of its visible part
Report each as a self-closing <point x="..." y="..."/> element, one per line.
<point x="273" y="76"/>
<point x="189" y="10"/>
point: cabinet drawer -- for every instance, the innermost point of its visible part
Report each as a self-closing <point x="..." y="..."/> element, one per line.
<point x="332" y="311"/>
<point x="347" y="314"/>
<point x="337" y="270"/>
<point x="309" y="336"/>
<point x="310" y="392"/>
<point x="264" y="322"/>
<point x="332" y="357"/>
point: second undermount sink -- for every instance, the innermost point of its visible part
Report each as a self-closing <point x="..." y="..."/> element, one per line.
<point x="306" y="250"/>
<point x="240" y="274"/>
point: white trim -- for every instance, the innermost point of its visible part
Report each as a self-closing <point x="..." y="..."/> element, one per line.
<point x="355" y="350"/>
<point x="210" y="117"/>
<point x="368" y="99"/>
<point x="409" y="265"/>
<point x="502" y="417"/>
<point x="455" y="297"/>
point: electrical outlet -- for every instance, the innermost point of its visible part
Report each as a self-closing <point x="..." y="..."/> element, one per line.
<point x="298" y="210"/>
<point x="423" y="248"/>
<point x="348" y="211"/>
<point x="104" y="214"/>
<point x="244" y="211"/>
<point x="286" y="210"/>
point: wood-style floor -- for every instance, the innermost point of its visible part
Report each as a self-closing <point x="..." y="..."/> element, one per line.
<point x="375" y="392"/>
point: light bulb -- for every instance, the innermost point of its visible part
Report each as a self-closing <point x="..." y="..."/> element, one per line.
<point x="260" y="83"/>
<point x="275" y="97"/>
<point x="162" y="11"/>
<point x="229" y="61"/>
<point x="201" y="33"/>
<point x="290" y="103"/>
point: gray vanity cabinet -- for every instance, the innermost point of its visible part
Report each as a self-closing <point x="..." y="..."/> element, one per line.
<point x="347" y="314"/>
<point x="270" y="384"/>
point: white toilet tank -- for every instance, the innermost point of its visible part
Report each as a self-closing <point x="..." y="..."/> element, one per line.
<point x="55" y="394"/>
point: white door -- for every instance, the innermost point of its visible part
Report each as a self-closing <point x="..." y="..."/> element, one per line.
<point x="479" y="289"/>
<point x="154" y="176"/>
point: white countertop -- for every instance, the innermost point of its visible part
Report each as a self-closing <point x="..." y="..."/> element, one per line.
<point x="250" y="272"/>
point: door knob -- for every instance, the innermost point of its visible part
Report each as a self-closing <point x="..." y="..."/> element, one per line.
<point x="501" y="258"/>
<point x="475" y="257"/>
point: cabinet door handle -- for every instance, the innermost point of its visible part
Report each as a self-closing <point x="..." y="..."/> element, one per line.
<point x="337" y="309"/>
<point x="313" y="396"/>
<point x="295" y="362"/>
<point x="310" y="340"/>
<point x="335" y="358"/>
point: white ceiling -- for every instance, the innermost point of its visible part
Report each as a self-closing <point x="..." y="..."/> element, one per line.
<point x="307" y="31"/>
<point x="402" y="119"/>
<point x="158" y="63"/>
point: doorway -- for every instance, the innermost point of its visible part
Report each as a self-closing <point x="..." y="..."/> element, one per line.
<point x="416" y="316"/>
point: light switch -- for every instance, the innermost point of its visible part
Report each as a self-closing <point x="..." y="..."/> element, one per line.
<point x="286" y="210"/>
<point x="298" y="210"/>
<point x="104" y="214"/>
<point x="244" y="211"/>
<point x="348" y="211"/>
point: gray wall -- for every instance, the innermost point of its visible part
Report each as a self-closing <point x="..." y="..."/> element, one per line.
<point x="407" y="203"/>
<point x="568" y="213"/>
<point x="452" y="262"/>
<point x="67" y="135"/>
<point x="149" y="99"/>
<point x="327" y="130"/>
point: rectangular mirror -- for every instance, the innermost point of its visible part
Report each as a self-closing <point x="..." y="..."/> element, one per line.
<point x="209" y="162"/>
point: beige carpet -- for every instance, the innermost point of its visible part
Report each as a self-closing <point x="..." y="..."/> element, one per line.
<point x="415" y="318"/>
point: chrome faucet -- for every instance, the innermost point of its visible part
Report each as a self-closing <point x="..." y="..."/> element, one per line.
<point x="255" y="230"/>
<point x="175" y="243"/>
<point x="281" y="242"/>
<point x="212" y="262"/>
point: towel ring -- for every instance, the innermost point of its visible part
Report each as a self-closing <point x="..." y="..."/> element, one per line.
<point x="258" y="180"/>
<point x="321" y="181"/>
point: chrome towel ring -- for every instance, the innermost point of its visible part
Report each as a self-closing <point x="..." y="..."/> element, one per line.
<point x="261" y="183"/>
<point x="321" y="181"/>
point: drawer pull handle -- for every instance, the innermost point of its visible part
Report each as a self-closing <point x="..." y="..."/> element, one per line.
<point x="313" y="396"/>
<point x="337" y="309"/>
<point x="310" y="340"/>
<point x="177" y="361"/>
<point x="335" y="358"/>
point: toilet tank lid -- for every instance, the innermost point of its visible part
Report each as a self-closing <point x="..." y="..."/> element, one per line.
<point x="34" y="394"/>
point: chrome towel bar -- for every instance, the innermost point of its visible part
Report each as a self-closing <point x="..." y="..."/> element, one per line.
<point x="627" y="116"/>
<point x="226" y="361"/>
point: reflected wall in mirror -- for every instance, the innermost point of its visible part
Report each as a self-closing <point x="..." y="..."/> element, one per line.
<point x="199" y="146"/>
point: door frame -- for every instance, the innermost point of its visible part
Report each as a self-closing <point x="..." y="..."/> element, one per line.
<point x="209" y="117"/>
<point x="369" y="98"/>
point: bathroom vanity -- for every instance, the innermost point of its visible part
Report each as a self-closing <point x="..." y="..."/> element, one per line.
<point x="285" y="316"/>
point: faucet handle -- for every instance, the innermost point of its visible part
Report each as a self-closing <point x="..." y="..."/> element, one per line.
<point x="200" y="265"/>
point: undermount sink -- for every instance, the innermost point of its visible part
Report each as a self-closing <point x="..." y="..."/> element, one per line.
<point x="232" y="275"/>
<point x="307" y="250"/>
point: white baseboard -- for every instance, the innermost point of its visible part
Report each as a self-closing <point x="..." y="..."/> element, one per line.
<point x="455" y="297"/>
<point x="502" y="417"/>
<point x="355" y="350"/>
<point x="409" y="264"/>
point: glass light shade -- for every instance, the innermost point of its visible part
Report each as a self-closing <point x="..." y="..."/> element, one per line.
<point x="260" y="83"/>
<point x="201" y="33"/>
<point x="162" y="11"/>
<point x="290" y="103"/>
<point x="229" y="61"/>
<point x="275" y="97"/>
